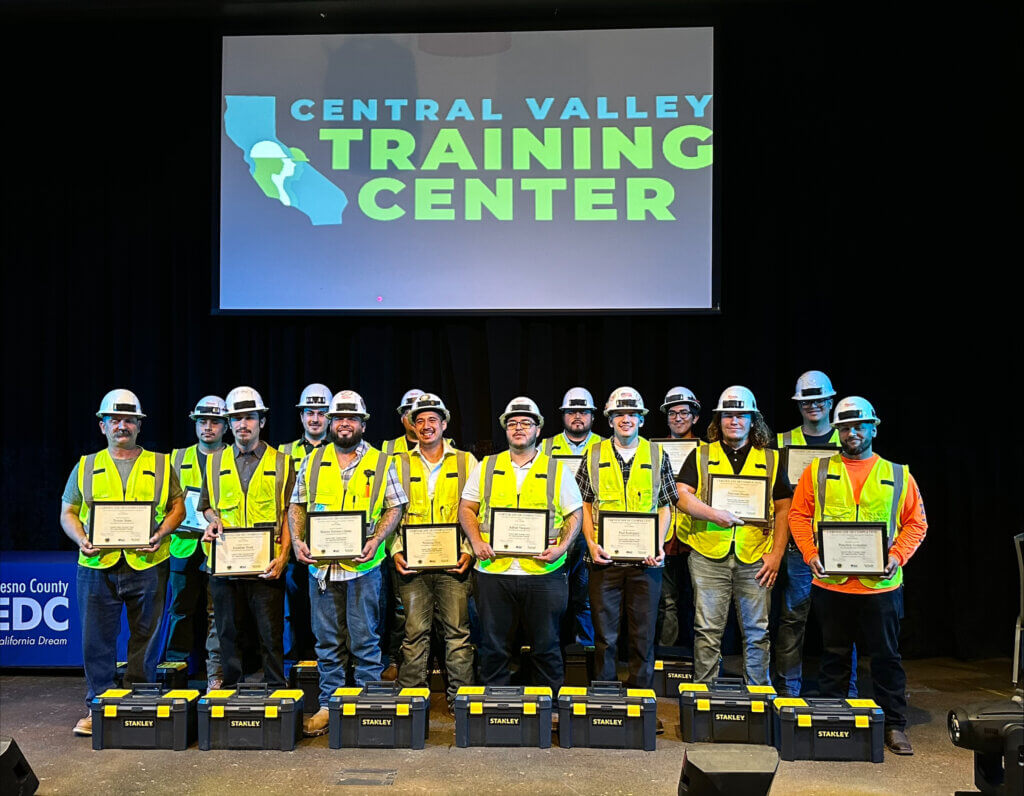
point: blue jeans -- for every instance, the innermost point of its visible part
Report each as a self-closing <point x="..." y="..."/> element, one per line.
<point x="298" y="632"/>
<point x="448" y="594"/>
<point x="346" y="617"/>
<point x="101" y="595"/>
<point x="715" y="585"/>
<point x="789" y="639"/>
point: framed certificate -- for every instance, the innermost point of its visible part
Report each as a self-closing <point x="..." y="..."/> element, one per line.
<point x="336" y="534"/>
<point x="121" y="524"/>
<point x="431" y="546"/>
<point x="799" y="458"/>
<point x="745" y="496"/>
<point x="242" y="551"/>
<point x="677" y="450"/>
<point x="572" y="462"/>
<point x="194" y="522"/>
<point x="519" y="532"/>
<point x="627" y="535"/>
<point x="852" y="548"/>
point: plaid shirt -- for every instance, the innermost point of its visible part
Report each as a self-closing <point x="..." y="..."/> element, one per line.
<point x="667" y="497"/>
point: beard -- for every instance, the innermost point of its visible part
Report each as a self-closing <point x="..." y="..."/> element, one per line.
<point x="350" y="442"/>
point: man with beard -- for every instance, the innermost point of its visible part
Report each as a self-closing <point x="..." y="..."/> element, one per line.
<point x="527" y="593"/>
<point x="433" y="475"/>
<point x="813" y="396"/>
<point x="575" y="440"/>
<point x="115" y="579"/>
<point x="858" y="485"/>
<point x="625" y="474"/>
<point x="732" y="559"/>
<point x="346" y="475"/>
<point x="313" y="404"/>
<point x="675" y="611"/>
<point x="191" y="599"/>
<point x="246" y="486"/>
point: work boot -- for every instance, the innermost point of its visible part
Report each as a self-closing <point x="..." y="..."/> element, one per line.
<point x="898" y="742"/>
<point x="84" y="725"/>
<point x="316" y="724"/>
<point x="391" y="673"/>
<point x="659" y="727"/>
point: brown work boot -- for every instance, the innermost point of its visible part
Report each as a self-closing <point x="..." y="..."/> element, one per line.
<point x="84" y="725"/>
<point x="316" y="724"/>
<point x="391" y="673"/>
<point x="898" y="742"/>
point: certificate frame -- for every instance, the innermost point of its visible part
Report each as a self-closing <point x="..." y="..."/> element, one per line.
<point x="650" y="518"/>
<point x="876" y="533"/>
<point x="185" y="528"/>
<point x="826" y="451"/>
<point x="361" y="515"/>
<point x="502" y="552"/>
<point x="567" y="458"/>
<point x="140" y="507"/>
<point x="451" y="529"/>
<point x="760" y="521"/>
<point x="666" y="442"/>
<point x="227" y="532"/>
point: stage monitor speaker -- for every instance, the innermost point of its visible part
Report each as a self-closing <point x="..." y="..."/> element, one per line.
<point x="728" y="769"/>
<point x="16" y="777"/>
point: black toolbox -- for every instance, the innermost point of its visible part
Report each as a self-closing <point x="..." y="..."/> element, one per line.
<point x="304" y="676"/>
<point x="172" y="675"/>
<point x="503" y="715"/>
<point x="381" y="715"/>
<point x="607" y="715"/>
<point x="671" y="667"/>
<point x="144" y="716"/>
<point x="250" y="716"/>
<point x="579" y="665"/>
<point x="829" y="729"/>
<point x="726" y="711"/>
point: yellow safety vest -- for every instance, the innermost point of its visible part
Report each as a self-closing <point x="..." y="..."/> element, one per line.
<point x="558" y="445"/>
<point x="327" y="491"/>
<point x="148" y="482"/>
<point x="681" y="521"/>
<point x="796" y="437"/>
<point x="296" y="451"/>
<point x="263" y="502"/>
<point x="714" y="542"/>
<point x="542" y="489"/>
<point x="881" y="500"/>
<point x="444" y="507"/>
<point x="186" y="464"/>
<point x="642" y="490"/>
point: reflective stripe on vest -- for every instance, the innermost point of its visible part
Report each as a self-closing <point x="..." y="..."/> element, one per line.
<point x="530" y="496"/>
<point x="562" y="442"/>
<point x="110" y="488"/>
<point x="184" y="545"/>
<point x="751" y="542"/>
<point x="796" y="437"/>
<point x="881" y="500"/>
<point x="648" y="457"/>
<point x="326" y="490"/>
<point x="421" y="508"/>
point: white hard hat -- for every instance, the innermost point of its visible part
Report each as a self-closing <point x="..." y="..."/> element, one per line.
<point x="429" y="402"/>
<point x="813" y="384"/>
<point x="348" y="402"/>
<point x="120" y="402"/>
<point x="680" y="395"/>
<point x="624" y="399"/>
<point x="315" y="396"/>
<point x="242" y="400"/>
<point x="736" y="399"/>
<point x="209" y="406"/>
<point x="855" y="410"/>
<point x="522" y="405"/>
<point x="407" y="400"/>
<point x="578" y="398"/>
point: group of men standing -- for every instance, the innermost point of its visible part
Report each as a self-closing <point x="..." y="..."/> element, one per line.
<point x="574" y="590"/>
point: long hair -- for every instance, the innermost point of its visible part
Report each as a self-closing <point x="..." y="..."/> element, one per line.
<point x="760" y="435"/>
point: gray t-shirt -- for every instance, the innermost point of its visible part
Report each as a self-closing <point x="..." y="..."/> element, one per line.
<point x="73" y="495"/>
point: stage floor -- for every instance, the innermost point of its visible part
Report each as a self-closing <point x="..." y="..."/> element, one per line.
<point x="39" y="712"/>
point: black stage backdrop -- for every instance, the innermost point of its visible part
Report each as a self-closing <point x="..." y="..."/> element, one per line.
<point x="862" y="164"/>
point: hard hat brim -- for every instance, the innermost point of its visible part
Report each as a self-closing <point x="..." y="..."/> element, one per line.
<point x="687" y="401"/>
<point x="102" y="415"/>
<point x="812" y="397"/>
<point x="539" y="419"/>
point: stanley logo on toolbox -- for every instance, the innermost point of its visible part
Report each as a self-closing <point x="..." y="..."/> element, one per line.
<point x="503" y="720"/>
<point x="607" y="722"/>
<point x="247" y="723"/>
<point x="139" y="722"/>
<point x="833" y="733"/>
<point x="377" y="722"/>
<point x="730" y="717"/>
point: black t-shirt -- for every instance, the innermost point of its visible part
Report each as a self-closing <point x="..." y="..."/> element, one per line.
<point x="818" y="440"/>
<point x="737" y="458"/>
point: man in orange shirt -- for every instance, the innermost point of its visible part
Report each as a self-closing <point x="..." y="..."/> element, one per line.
<point x="857" y="485"/>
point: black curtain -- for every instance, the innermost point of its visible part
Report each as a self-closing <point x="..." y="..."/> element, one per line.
<point x="862" y="177"/>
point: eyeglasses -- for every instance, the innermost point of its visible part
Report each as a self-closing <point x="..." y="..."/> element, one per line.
<point x="820" y="402"/>
<point x="679" y="414"/>
<point x="526" y="425"/>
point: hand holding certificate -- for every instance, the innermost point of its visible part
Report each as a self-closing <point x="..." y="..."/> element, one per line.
<point x="852" y="548"/>
<point x="430" y="547"/>
<point x="335" y="535"/>
<point x="519" y="532"/>
<point x="121" y="525"/>
<point x="744" y="496"/>
<point x="628" y="536"/>
<point x="242" y="551"/>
